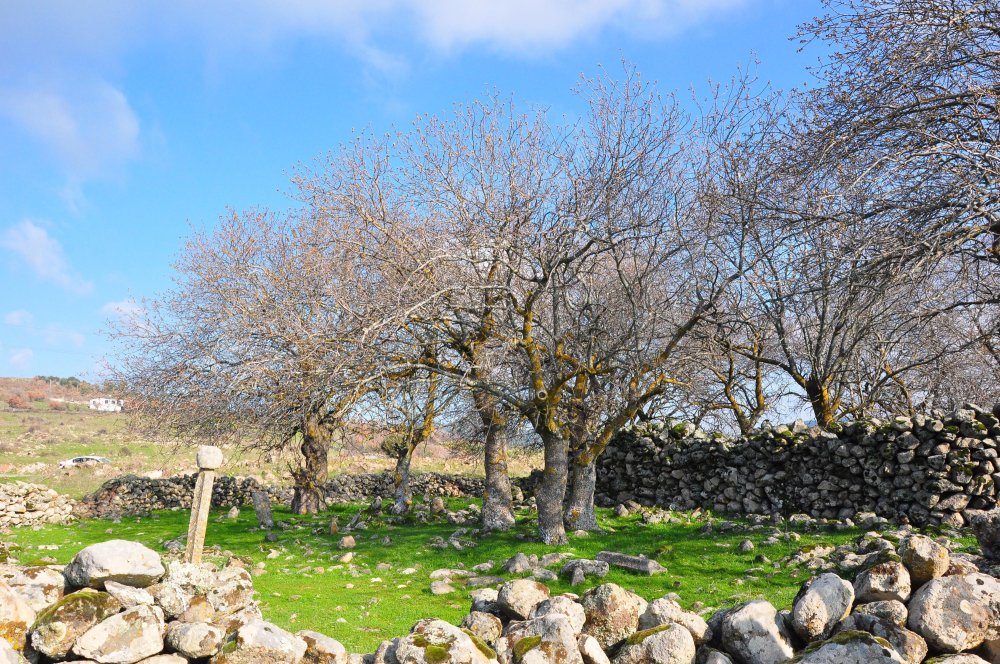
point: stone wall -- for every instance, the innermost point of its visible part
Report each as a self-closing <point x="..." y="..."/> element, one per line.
<point x="136" y="495"/>
<point x="926" y="470"/>
<point x="23" y="504"/>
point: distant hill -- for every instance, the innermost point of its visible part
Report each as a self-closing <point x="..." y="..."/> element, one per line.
<point x="19" y="393"/>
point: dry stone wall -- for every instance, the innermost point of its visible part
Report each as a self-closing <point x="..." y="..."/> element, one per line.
<point x="929" y="469"/>
<point x="137" y="495"/>
<point x="23" y="504"/>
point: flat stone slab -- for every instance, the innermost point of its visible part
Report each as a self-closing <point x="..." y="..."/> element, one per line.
<point x="632" y="563"/>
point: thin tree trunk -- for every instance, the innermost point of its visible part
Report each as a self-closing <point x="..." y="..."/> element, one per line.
<point x="580" y="512"/>
<point x="401" y="480"/>
<point x="498" y="502"/>
<point x="551" y="489"/>
<point x="309" y="496"/>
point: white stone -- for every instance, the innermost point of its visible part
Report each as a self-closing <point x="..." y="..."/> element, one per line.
<point x="126" y="562"/>
<point x="209" y="457"/>
<point x="822" y="603"/>
<point x="124" y="638"/>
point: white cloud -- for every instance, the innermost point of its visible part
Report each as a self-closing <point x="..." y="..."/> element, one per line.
<point x="18" y="318"/>
<point x="89" y="126"/>
<point x="57" y="335"/>
<point x="44" y="255"/>
<point x="21" y="358"/>
<point x="122" y="309"/>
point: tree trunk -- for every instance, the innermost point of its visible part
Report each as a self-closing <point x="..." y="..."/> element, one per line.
<point x="310" y="478"/>
<point x="498" y="503"/>
<point x="819" y="398"/>
<point x="580" y="512"/>
<point x="401" y="481"/>
<point x="551" y="489"/>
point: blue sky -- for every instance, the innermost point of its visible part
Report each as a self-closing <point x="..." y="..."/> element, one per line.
<point x="124" y="124"/>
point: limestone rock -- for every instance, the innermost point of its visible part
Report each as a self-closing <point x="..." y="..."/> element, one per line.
<point x="924" y="558"/>
<point x="712" y="656"/>
<point x="195" y="639"/>
<point x="890" y="580"/>
<point x="665" y="644"/>
<point x="518" y="597"/>
<point x="38" y="586"/>
<point x="123" y="638"/>
<point x="127" y="595"/>
<point x="58" y="627"/>
<point x="546" y="640"/>
<point x="126" y="562"/>
<point x="820" y="605"/>
<point x="260" y="642"/>
<point x="756" y="634"/>
<point x="665" y="610"/>
<point x="964" y="658"/>
<point x="565" y="606"/>
<point x="909" y="645"/>
<point x="612" y="613"/>
<point x="15" y="616"/>
<point x="437" y="642"/>
<point x="986" y="526"/>
<point x="956" y="613"/>
<point x="321" y="649"/>
<point x="232" y="590"/>
<point x="591" y="651"/>
<point x="891" y="610"/>
<point x="851" y="648"/>
<point x="484" y="625"/>
<point x="8" y="655"/>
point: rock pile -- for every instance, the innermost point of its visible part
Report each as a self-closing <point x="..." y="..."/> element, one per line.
<point x="131" y="494"/>
<point x="23" y="504"/>
<point x="911" y="603"/>
<point x="118" y="603"/>
<point x="935" y="469"/>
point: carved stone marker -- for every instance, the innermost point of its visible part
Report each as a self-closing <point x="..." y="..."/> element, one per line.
<point x="262" y="506"/>
<point x="209" y="459"/>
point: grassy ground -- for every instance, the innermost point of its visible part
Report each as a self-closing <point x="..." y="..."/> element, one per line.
<point x="304" y="586"/>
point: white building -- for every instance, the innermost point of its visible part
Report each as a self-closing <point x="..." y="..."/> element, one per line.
<point x="107" y="404"/>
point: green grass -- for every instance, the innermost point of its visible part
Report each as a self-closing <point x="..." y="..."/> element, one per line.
<point x="295" y="595"/>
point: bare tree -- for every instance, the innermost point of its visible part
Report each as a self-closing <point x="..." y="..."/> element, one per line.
<point x="260" y="342"/>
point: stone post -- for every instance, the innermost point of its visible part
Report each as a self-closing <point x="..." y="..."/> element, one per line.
<point x="209" y="460"/>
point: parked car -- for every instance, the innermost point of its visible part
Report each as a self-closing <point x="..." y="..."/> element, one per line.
<point x="83" y="461"/>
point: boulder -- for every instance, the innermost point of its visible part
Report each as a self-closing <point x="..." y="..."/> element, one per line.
<point x="260" y="642"/>
<point x="821" y="603"/>
<point x="612" y="613"/>
<point x="38" y="586"/>
<point x="484" y="625"/>
<point x="756" y="634"/>
<point x="884" y="581"/>
<point x="924" y="558"/>
<point x="518" y="597"/>
<point x="565" y="606"/>
<point x="591" y="651"/>
<point x="321" y="649"/>
<point x="437" y="642"/>
<point x="195" y="639"/>
<point x="127" y="595"/>
<point x="123" y="638"/>
<point x="712" y="656"/>
<point x="16" y="616"/>
<point x="850" y="648"/>
<point x="892" y="611"/>
<point x="231" y="591"/>
<point x="126" y="562"/>
<point x="909" y="645"/>
<point x="8" y="655"/>
<point x="546" y="640"/>
<point x="232" y="623"/>
<point x="665" y="644"/>
<point x="986" y="527"/>
<point x="956" y="613"/>
<point x="665" y="610"/>
<point x="58" y="627"/>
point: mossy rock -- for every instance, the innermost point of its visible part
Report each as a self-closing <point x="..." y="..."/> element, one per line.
<point x="526" y="645"/>
<point x="480" y="644"/>
<point x="641" y="636"/>
<point x="844" y="638"/>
